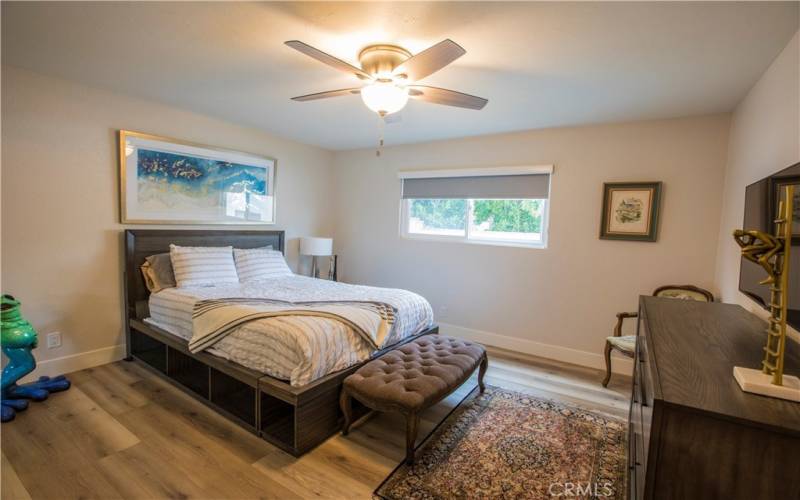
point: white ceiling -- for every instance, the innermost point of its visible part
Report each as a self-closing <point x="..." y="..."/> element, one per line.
<point x="539" y="64"/>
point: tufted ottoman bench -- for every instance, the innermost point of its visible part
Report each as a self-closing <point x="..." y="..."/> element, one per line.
<point x="413" y="377"/>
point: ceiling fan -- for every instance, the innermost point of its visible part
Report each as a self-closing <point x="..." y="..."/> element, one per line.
<point x="391" y="74"/>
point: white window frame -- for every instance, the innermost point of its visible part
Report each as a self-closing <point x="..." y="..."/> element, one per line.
<point x="469" y="172"/>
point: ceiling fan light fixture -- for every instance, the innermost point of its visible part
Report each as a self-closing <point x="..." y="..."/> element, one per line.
<point x="384" y="98"/>
<point x="391" y="75"/>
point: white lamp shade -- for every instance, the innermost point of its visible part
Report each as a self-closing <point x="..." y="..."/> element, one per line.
<point x="316" y="246"/>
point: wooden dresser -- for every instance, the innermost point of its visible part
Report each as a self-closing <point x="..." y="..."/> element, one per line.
<point x="693" y="433"/>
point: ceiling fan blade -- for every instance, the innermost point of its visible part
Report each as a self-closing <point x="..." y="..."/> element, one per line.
<point x="430" y="60"/>
<point x="327" y="59"/>
<point x="324" y="95"/>
<point x="446" y="97"/>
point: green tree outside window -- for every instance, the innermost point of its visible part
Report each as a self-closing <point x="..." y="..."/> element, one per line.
<point x="518" y="216"/>
<point x="441" y="214"/>
<point x="515" y="216"/>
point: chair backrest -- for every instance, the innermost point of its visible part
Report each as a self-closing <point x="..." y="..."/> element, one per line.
<point x="685" y="292"/>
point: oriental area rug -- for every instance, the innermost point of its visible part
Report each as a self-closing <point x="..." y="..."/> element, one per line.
<point x="506" y="444"/>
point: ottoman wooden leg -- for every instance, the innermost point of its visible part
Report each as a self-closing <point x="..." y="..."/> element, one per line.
<point x="412" y="422"/>
<point x="482" y="372"/>
<point x="347" y="410"/>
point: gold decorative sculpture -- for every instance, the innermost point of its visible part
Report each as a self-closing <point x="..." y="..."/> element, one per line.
<point x="772" y="253"/>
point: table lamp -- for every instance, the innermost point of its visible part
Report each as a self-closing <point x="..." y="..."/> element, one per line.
<point x="316" y="247"/>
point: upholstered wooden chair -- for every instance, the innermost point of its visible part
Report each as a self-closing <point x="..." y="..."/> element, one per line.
<point x="626" y="344"/>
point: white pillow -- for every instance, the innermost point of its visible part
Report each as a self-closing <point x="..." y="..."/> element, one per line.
<point x="259" y="263"/>
<point x="202" y="266"/>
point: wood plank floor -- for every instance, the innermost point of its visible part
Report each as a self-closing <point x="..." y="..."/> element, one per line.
<point x="121" y="432"/>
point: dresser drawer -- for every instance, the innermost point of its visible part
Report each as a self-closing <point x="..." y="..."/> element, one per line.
<point x="643" y="370"/>
<point x="631" y="484"/>
<point x="631" y="460"/>
<point x="636" y="470"/>
<point x="636" y="408"/>
<point x="641" y="413"/>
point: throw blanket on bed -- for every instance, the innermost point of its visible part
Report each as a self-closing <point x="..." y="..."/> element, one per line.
<point x="213" y="319"/>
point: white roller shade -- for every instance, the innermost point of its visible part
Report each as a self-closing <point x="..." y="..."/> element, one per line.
<point x="508" y="183"/>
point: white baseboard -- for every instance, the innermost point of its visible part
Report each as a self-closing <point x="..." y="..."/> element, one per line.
<point x="75" y="362"/>
<point x="620" y="365"/>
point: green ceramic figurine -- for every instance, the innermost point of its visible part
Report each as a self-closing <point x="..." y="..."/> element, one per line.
<point x="18" y="339"/>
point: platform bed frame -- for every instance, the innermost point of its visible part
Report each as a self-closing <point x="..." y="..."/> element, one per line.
<point x="295" y="419"/>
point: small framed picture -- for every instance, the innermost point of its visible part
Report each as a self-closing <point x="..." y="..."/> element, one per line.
<point x="630" y="211"/>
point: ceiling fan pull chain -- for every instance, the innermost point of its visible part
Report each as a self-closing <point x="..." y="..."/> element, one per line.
<point x="381" y="128"/>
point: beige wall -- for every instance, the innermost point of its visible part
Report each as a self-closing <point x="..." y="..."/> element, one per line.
<point x="764" y="138"/>
<point x="62" y="252"/>
<point x="560" y="301"/>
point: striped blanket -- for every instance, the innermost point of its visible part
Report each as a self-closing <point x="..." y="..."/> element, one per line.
<point x="213" y="319"/>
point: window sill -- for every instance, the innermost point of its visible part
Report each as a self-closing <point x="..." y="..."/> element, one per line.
<point x="492" y="243"/>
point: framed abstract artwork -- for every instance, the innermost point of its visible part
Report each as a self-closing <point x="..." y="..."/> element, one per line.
<point x="167" y="181"/>
<point x="630" y="211"/>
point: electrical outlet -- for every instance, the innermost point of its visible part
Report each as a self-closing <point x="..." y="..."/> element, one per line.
<point x="53" y="340"/>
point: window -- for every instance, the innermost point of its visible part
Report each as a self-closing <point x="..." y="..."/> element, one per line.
<point x="492" y="206"/>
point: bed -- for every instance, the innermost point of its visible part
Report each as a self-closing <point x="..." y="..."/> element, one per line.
<point x="299" y="349"/>
<point x="278" y="377"/>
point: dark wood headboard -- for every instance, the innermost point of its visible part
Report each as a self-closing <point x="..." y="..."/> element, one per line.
<point x="141" y="243"/>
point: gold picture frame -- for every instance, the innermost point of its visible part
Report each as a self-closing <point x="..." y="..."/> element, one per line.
<point x="163" y="180"/>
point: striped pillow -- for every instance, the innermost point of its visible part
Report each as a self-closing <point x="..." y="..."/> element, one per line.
<point x="259" y="263"/>
<point x="202" y="266"/>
